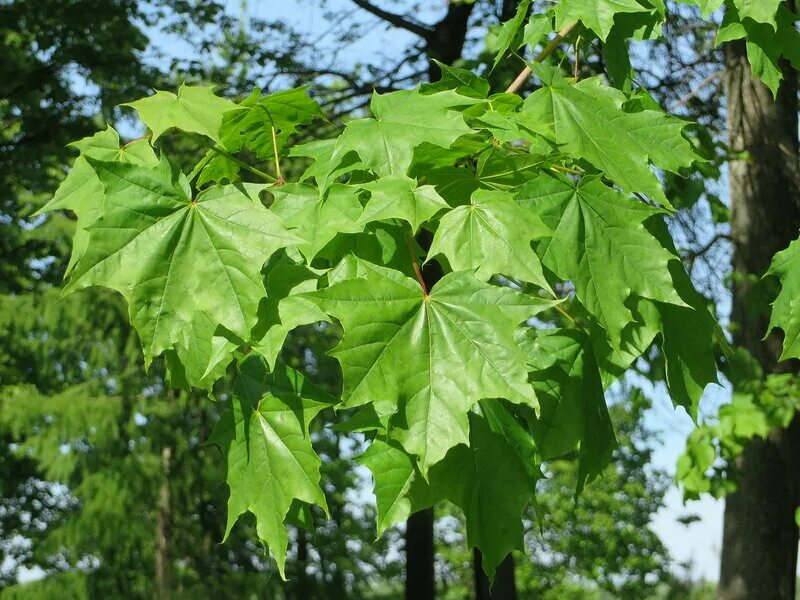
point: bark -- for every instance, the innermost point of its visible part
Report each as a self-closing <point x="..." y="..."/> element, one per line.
<point x="504" y="586"/>
<point x="420" y="582"/>
<point x="164" y="532"/>
<point x="446" y="42"/>
<point x="760" y="537"/>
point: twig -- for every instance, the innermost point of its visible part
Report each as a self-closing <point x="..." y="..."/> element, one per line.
<point x="546" y="51"/>
<point x="696" y="91"/>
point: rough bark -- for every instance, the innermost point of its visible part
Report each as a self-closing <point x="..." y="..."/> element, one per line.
<point x="760" y="537"/>
<point x="504" y="586"/>
<point x="163" y="566"/>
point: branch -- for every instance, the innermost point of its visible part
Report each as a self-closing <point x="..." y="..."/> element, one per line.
<point x="396" y="20"/>
<point x="701" y="251"/>
<point x="546" y="51"/>
<point x="693" y="94"/>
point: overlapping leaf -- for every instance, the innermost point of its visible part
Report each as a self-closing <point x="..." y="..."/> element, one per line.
<point x="587" y="121"/>
<point x="318" y="216"/>
<point x="267" y="446"/>
<point x="597" y="15"/>
<point x="185" y="266"/>
<point x="194" y="109"/>
<point x="486" y="478"/>
<point x="81" y="191"/>
<point x="786" y="308"/>
<point x="395" y="475"/>
<point x="573" y="407"/>
<point x="490" y="235"/>
<point x="401" y="121"/>
<point x="601" y="245"/>
<point x="456" y="346"/>
<point x="399" y="197"/>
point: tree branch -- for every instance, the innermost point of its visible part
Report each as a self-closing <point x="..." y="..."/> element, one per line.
<point x="546" y="51"/>
<point x="396" y="20"/>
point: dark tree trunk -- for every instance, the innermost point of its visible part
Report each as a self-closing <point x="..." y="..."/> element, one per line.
<point x="163" y="565"/>
<point x="420" y="582"/>
<point x="446" y="42"/>
<point x="760" y="537"/>
<point x="504" y="586"/>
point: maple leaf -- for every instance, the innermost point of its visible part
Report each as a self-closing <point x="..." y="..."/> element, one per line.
<point x="184" y="266"/>
<point x="573" y="407"/>
<point x="587" y="121"/>
<point x="456" y="346"/>
<point x="786" y="308"/>
<point x="81" y="191"/>
<point x="401" y="121"/>
<point x="399" y="488"/>
<point x="484" y="478"/>
<point x="400" y="197"/>
<point x="318" y="216"/>
<point x="490" y="235"/>
<point x="194" y="109"/>
<point x="267" y="447"/>
<point x="599" y="242"/>
<point x="597" y="15"/>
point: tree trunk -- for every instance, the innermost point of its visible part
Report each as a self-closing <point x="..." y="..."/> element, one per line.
<point x="164" y="532"/>
<point x="446" y="42"/>
<point x="504" y="586"/>
<point x="760" y="537"/>
<point x="420" y="582"/>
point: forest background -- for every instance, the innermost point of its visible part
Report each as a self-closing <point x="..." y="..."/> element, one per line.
<point x="103" y="493"/>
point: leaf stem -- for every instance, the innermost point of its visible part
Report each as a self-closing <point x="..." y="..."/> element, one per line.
<point x="546" y="51"/>
<point x="244" y="165"/>
<point x="275" y="151"/>
<point x="415" y="263"/>
<point x="566" y="314"/>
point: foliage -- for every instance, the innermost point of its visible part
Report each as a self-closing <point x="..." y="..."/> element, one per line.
<point x="457" y="385"/>
<point x="760" y="404"/>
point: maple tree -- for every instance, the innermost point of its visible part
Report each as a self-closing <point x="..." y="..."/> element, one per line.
<point x="546" y="214"/>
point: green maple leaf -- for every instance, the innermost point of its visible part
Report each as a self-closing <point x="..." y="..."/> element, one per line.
<point x="194" y="109"/>
<point x="401" y="121"/>
<point x="328" y="163"/>
<point x="286" y="278"/>
<point x="597" y="15"/>
<point x="185" y="266"/>
<point x="488" y="480"/>
<point x="267" y="447"/>
<point x="786" y="308"/>
<point x="706" y="6"/>
<point x="504" y="36"/>
<point x="587" y="121"/>
<point x="456" y="346"/>
<point x="490" y="235"/>
<point x="399" y="488"/>
<point x="400" y="197"/>
<point x="318" y="216"/>
<point x="760" y="11"/>
<point x="251" y="124"/>
<point x="573" y="407"/>
<point x="767" y="44"/>
<point x="463" y="81"/>
<point x="81" y="191"/>
<point x="599" y="242"/>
